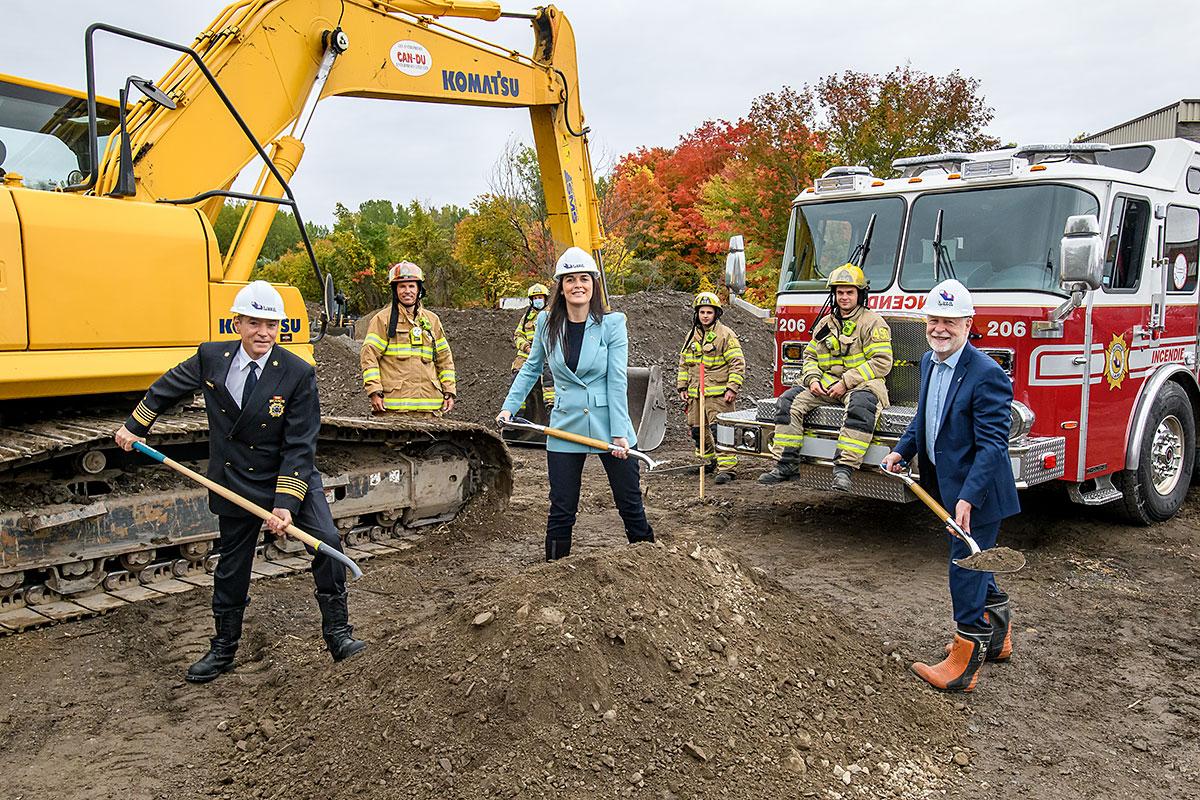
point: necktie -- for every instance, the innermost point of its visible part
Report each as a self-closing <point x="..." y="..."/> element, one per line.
<point x="251" y="382"/>
<point x="941" y="370"/>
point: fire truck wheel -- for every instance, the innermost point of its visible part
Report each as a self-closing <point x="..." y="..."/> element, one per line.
<point x="1155" y="491"/>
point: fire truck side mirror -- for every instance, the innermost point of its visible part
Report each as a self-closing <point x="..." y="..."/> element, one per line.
<point x="1080" y="265"/>
<point x="735" y="265"/>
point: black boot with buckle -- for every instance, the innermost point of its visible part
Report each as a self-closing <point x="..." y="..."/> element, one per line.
<point x="336" y="627"/>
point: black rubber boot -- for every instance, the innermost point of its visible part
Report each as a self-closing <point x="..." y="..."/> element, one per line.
<point x="841" y="478"/>
<point x="786" y="469"/>
<point x="222" y="647"/>
<point x="1000" y="616"/>
<point x="723" y="477"/>
<point x="336" y="627"/>
<point x="557" y="548"/>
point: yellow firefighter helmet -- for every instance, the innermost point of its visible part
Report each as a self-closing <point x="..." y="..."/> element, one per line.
<point x="847" y="275"/>
<point x="537" y="289"/>
<point x="706" y="299"/>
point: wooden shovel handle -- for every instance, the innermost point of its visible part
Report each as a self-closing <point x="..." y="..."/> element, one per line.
<point x="258" y="511"/>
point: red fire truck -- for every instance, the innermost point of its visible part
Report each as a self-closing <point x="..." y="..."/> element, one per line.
<point x="1082" y="261"/>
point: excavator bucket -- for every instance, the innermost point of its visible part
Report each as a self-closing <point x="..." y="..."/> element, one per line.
<point x="647" y="410"/>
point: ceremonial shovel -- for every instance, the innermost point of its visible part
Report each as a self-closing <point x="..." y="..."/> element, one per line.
<point x="261" y="513"/>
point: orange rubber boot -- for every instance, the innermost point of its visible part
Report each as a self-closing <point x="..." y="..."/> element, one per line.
<point x="959" y="672"/>
<point x="999" y="615"/>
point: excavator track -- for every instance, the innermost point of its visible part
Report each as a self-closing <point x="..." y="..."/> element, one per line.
<point x="86" y="528"/>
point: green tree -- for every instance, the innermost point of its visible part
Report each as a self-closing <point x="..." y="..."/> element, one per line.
<point x="875" y="119"/>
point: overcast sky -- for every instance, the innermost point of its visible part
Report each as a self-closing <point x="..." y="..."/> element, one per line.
<point x="652" y="70"/>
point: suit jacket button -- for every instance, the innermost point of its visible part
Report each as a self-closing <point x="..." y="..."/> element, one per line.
<point x="251" y="469"/>
<point x="264" y="424"/>
<point x="228" y="464"/>
<point x="585" y="411"/>
<point x="251" y="447"/>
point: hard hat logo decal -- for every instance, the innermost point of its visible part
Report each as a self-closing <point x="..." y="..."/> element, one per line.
<point x="949" y="298"/>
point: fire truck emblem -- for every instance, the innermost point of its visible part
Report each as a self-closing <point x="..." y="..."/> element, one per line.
<point x="1116" y="362"/>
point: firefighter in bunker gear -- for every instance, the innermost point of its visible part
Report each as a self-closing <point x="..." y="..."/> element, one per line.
<point x="406" y="362"/>
<point x="538" y="294"/>
<point x="845" y="363"/>
<point x="714" y="344"/>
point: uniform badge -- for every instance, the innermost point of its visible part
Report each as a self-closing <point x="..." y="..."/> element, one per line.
<point x="275" y="406"/>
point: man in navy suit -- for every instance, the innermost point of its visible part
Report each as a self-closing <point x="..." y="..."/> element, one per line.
<point x="263" y="418"/>
<point x="960" y="437"/>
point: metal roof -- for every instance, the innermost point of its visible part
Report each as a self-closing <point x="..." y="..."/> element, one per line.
<point x="1161" y="124"/>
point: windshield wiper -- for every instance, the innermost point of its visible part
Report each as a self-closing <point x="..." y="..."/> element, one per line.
<point x="859" y="256"/>
<point x="941" y="256"/>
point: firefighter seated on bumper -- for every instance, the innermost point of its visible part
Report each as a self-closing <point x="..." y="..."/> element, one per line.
<point x="724" y="370"/>
<point x="406" y="362"/>
<point x="846" y="363"/>
<point x="523" y="341"/>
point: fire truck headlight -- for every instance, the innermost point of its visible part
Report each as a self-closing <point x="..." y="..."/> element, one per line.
<point x="1022" y="421"/>
<point x="793" y="351"/>
<point x="792" y="376"/>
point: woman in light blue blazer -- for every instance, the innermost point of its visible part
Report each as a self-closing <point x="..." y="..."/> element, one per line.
<point x="588" y="354"/>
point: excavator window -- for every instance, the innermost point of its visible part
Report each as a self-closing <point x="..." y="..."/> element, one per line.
<point x="46" y="133"/>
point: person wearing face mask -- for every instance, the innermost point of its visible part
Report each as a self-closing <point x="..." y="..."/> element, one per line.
<point x="845" y="363"/>
<point x="588" y="353"/>
<point x="263" y="419"/>
<point x="523" y="340"/>
<point x="714" y="344"/>
<point x="407" y="367"/>
<point x="960" y="438"/>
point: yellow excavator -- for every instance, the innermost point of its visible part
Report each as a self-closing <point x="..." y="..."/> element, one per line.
<point x="110" y="274"/>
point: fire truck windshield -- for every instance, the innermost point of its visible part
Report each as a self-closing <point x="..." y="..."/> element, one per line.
<point x="822" y="237"/>
<point x="1005" y="238"/>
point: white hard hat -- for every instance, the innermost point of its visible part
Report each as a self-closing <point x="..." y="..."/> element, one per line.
<point x="259" y="299"/>
<point x="576" y="259"/>
<point x="948" y="299"/>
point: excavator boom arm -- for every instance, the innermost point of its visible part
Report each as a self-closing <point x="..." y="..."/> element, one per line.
<point x="266" y="55"/>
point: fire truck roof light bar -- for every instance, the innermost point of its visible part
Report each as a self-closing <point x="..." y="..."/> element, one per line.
<point x="834" y="172"/>
<point x="947" y="162"/>
<point x="1074" y="151"/>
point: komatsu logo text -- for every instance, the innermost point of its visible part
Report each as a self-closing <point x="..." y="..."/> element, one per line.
<point x="474" y="83"/>
<point x="292" y="325"/>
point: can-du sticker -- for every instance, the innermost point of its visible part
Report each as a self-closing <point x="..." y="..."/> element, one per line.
<point x="411" y="58"/>
<point x="1180" y="271"/>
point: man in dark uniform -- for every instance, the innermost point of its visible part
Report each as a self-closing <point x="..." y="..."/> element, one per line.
<point x="263" y="416"/>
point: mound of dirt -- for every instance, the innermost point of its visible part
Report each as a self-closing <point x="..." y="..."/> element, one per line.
<point x="648" y="671"/>
<point x="481" y="340"/>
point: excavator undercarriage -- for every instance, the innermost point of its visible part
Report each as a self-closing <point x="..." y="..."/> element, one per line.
<point x="86" y="527"/>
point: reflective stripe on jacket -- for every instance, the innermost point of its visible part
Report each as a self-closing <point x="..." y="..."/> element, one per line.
<point x="724" y="363"/>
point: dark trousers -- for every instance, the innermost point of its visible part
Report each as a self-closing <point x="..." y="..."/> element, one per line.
<point x="566" y="473"/>
<point x="240" y="536"/>
<point x="970" y="589"/>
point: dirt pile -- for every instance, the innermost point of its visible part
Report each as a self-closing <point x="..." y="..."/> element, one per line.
<point x="481" y="340"/>
<point x="661" y="670"/>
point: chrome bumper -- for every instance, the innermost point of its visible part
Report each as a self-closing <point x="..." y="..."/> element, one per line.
<point x="747" y="433"/>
